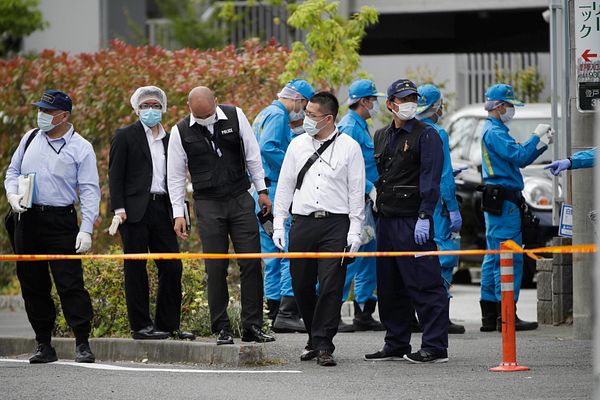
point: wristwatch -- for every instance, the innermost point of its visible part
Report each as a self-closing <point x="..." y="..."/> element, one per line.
<point x="423" y="215"/>
<point x="264" y="191"/>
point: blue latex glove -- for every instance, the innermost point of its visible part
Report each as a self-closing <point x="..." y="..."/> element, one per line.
<point x="559" y="166"/>
<point x="455" y="221"/>
<point x="422" y="231"/>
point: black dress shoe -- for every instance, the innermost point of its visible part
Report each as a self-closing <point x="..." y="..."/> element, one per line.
<point x="454" y="329"/>
<point x="83" y="354"/>
<point x="225" y="337"/>
<point x="43" y="354"/>
<point x="149" y="333"/>
<point x="255" y="334"/>
<point x="183" y="335"/>
<point x="308" y="354"/>
<point x="325" y="359"/>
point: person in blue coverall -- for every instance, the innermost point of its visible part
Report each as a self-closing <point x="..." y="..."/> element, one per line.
<point x="363" y="104"/>
<point x="581" y="159"/>
<point x="502" y="199"/>
<point x="274" y="134"/>
<point x="447" y="220"/>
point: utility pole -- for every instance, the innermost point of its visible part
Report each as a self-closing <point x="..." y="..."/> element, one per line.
<point x="582" y="137"/>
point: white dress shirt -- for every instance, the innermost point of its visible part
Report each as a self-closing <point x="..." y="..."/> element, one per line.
<point x="334" y="183"/>
<point x="177" y="160"/>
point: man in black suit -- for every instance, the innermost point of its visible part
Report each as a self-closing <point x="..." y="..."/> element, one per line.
<point x="138" y="194"/>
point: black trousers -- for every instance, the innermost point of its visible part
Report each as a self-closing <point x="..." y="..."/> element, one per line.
<point x="321" y="314"/>
<point x="154" y="233"/>
<point x="404" y="281"/>
<point x="52" y="232"/>
<point x="218" y="220"/>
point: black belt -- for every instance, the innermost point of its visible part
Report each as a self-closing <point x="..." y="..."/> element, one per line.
<point x="45" y="208"/>
<point x="319" y="214"/>
<point x="158" y="196"/>
<point x="514" y="196"/>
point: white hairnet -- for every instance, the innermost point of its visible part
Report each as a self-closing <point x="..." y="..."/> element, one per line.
<point x="431" y="110"/>
<point x="145" y="93"/>
<point x="289" y="93"/>
<point x="491" y="104"/>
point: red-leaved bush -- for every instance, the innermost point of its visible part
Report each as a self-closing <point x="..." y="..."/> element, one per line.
<point x="101" y="84"/>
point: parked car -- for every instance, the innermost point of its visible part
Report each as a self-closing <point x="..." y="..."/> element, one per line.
<point x="464" y="129"/>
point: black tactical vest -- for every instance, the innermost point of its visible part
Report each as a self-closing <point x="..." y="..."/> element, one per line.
<point x="399" y="167"/>
<point x="220" y="170"/>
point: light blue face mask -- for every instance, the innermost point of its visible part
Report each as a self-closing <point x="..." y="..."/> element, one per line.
<point x="44" y="121"/>
<point x="310" y="126"/>
<point x="150" y="117"/>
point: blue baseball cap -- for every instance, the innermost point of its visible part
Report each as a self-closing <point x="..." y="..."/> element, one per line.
<point x="54" y="100"/>
<point x="502" y="92"/>
<point x="362" y="88"/>
<point x="402" y="88"/>
<point x="302" y="87"/>
<point x="430" y="94"/>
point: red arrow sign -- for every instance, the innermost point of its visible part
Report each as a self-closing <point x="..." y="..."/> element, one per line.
<point x="587" y="56"/>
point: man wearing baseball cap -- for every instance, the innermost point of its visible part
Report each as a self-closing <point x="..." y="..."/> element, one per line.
<point x="65" y="171"/>
<point x="409" y="160"/>
<point x="502" y="200"/>
<point x="274" y="134"/>
<point x="447" y="220"/>
<point x="363" y="104"/>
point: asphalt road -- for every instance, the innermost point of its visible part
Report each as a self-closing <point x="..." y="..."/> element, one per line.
<point x="560" y="369"/>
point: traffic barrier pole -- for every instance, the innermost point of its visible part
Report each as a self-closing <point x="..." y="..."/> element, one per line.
<point x="509" y="339"/>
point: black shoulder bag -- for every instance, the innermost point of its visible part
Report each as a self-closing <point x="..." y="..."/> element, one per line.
<point x="10" y="219"/>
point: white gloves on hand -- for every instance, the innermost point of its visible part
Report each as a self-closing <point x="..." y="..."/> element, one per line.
<point x="116" y="221"/>
<point x="279" y="238"/>
<point x="83" y="243"/>
<point x="15" y="202"/>
<point x="353" y="240"/>
<point x="373" y="196"/>
<point x="546" y="135"/>
<point x="541" y="130"/>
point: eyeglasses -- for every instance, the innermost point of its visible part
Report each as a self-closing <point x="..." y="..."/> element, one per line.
<point x="154" y="106"/>
<point x="312" y="116"/>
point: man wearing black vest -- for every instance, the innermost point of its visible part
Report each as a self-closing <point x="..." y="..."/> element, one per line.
<point x="409" y="160"/>
<point x="137" y="177"/>
<point x="219" y="147"/>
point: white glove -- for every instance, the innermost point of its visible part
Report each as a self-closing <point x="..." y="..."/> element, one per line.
<point x="116" y="221"/>
<point x="279" y="238"/>
<point x="373" y="196"/>
<point x="542" y="130"/>
<point x="83" y="243"/>
<point x="353" y="240"/>
<point x="15" y="202"/>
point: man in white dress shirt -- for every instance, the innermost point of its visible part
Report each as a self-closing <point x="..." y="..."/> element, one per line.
<point x="218" y="146"/>
<point x="328" y="210"/>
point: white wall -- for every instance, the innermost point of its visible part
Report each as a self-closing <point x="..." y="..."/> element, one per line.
<point x="74" y="27"/>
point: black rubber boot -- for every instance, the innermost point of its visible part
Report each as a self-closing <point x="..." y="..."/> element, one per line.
<point x="363" y="319"/>
<point x="273" y="306"/>
<point x="288" y="318"/>
<point x="521" y="325"/>
<point x="489" y="315"/>
<point x="453" y="328"/>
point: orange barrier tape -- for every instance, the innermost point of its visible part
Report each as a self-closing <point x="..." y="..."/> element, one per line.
<point x="514" y="248"/>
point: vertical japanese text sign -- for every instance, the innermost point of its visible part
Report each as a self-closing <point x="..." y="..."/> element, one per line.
<point x="587" y="52"/>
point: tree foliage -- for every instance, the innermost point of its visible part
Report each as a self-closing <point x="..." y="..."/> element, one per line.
<point x="527" y="83"/>
<point x="329" y="57"/>
<point x="18" y="18"/>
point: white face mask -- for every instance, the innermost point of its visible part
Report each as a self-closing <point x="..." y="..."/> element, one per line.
<point x="297" y="115"/>
<point x="298" y="130"/>
<point x="406" y="111"/>
<point x="374" y="110"/>
<point x="207" y="121"/>
<point x="508" y="115"/>
<point x="310" y="126"/>
<point x="44" y="121"/>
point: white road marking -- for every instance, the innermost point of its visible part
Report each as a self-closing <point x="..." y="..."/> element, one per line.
<point x="109" y="367"/>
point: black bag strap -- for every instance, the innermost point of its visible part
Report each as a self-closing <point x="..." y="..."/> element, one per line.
<point x="312" y="160"/>
<point x="29" y="140"/>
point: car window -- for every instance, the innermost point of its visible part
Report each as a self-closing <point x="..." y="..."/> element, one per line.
<point x="460" y="135"/>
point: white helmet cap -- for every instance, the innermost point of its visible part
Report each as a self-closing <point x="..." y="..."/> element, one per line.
<point x="145" y="93"/>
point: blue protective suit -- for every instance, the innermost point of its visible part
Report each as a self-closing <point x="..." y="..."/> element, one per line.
<point x="441" y="218"/>
<point x="502" y="158"/>
<point x="272" y="129"/>
<point x="583" y="159"/>
<point x="363" y="269"/>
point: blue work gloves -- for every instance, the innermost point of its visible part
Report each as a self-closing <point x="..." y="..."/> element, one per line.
<point x="559" y="166"/>
<point x="422" y="231"/>
<point x="455" y="221"/>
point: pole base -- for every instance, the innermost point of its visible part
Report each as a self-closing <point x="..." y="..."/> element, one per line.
<point x="509" y="368"/>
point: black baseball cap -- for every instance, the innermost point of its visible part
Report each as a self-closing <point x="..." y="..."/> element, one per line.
<point x="402" y="88"/>
<point x="55" y="100"/>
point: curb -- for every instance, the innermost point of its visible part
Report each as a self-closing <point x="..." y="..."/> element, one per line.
<point x="12" y="303"/>
<point x="154" y="351"/>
